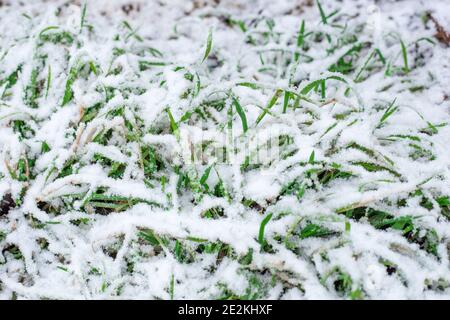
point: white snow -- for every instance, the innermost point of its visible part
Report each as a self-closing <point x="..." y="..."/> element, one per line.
<point x="130" y="76"/>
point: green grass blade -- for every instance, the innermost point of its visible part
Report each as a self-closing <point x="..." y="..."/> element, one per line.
<point x="262" y="227"/>
<point x="405" y="57"/>
<point x="270" y="104"/>
<point x="389" y="111"/>
<point x="83" y="16"/>
<point x="241" y="114"/>
<point x="208" y="46"/>
<point x="173" y="124"/>
<point x="49" y="80"/>
<point x="323" y="16"/>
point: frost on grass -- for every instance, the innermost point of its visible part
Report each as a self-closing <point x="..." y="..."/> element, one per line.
<point x="130" y="138"/>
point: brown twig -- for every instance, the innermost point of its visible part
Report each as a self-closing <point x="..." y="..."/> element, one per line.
<point x="442" y="35"/>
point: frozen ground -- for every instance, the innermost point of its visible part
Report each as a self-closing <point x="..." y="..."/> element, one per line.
<point x="225" y="149"/>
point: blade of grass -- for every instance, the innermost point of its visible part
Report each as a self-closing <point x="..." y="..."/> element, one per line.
<point x="389" y="111"/>
<point x="322" y="13"/>
<point x="241" y="114"/>
<point x="300" y="39"/>
<point x="366" y="63"/>
<point x="405" y="57"/>
<point x="173" y="124"/>
<point x="172" y="286"/>
<point x="49" y="80"/>
<point x="250" y="85"/>
<point x="311" y="158"/>
<point x="83" y="16"/>
<point x="205" y="177"/>
<point x="208" y="46"/>
<point x="262" y="227"/>
<point x="287" y="96"/>
<point x="270" y="104"/>
<point x="315" y="84"/>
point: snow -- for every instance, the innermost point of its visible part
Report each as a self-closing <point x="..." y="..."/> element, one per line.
<point x="55" y="243"/>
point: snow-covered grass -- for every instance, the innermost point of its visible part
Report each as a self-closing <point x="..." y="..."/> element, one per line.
<point x="225" y="149"/>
